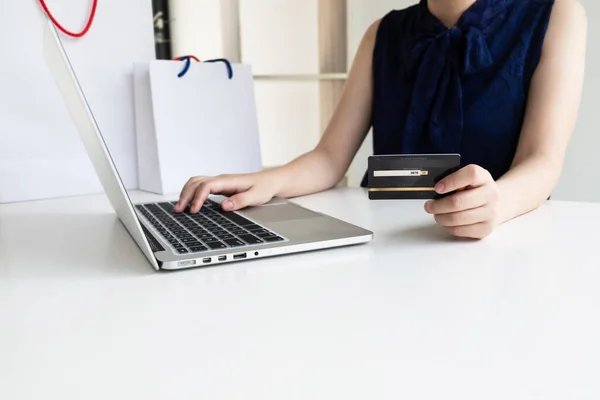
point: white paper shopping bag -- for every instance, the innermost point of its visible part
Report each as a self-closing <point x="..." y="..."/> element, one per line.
<point x="201" y="122"/>
<point x="41" y="154"/>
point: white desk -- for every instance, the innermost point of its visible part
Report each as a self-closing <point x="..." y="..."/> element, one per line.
<point x="412" y="315"/>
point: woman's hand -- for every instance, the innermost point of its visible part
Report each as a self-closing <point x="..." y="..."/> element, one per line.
<point x="471" y="212"/>
<point x="243" y="190"/>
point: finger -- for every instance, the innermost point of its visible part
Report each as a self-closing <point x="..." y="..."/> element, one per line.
<point x="242" y="200"/>
<point x="476" y="231"/>
<point x="462" y="218"/>
<point x="469" y="176"/>
<point x="187" y="193"/>
<point x="200" y="195"/>
<point x="223" y="185"/>
<point x="459" y="201"/>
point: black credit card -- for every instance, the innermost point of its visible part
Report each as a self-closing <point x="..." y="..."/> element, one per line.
<point x="409" y="176"/>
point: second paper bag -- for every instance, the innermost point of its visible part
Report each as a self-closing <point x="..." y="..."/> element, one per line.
<point x="202" y="123"/>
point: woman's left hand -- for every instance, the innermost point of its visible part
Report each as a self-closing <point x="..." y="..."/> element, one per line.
<point x="471" y="212"/>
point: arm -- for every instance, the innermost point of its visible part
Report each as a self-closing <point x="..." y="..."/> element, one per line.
<point x="551" y="114"/>
<point x="315" y="171"/>
<point x="481" y="204"/>
<point x="323" y="167"/>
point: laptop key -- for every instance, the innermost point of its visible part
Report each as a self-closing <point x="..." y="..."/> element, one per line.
<point x="211" y="202"/>
<point x="198" y="249"/>
<point x="272" y="239"/>
<point x="182" y="251"/>
<point x="236" y="218"/>
<point x="234" y="242"/>
<point x="216" y="245"/>
<point x="250" y="239"/>
<point x="167" y="206"/>
<point x="260" y="232"/>
<point x="264" y="234"/>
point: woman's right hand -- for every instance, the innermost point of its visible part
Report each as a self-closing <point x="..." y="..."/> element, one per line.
<point x="317" y="170"/>
<point x="242" y="190"/>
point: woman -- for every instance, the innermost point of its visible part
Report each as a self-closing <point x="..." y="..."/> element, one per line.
<point x="498" y="81"/>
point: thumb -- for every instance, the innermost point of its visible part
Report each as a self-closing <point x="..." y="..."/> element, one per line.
<point x="241" y="200"/>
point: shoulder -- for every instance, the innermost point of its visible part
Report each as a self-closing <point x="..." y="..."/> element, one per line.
<point x="555" y="10"/>
<point x="559" y="12"/>
<point x="399" y="18"/>
<point x="371" y="33"/>
<point x="567" y="26"/>
<point x="396" y="24"/>
<point x="567" y="14"/>
<point x="385" y="24"/>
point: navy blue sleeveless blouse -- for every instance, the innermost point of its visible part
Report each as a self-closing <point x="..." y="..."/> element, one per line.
<point x="459" y="90"/>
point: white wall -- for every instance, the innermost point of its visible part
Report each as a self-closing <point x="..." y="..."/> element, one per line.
<point x="196" y="28"/>
<point x="281" y="37"/>
<point x="581" y="175"/>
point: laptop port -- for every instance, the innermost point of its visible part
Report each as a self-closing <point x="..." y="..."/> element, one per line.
<point x="206" y="260"/>
<point x="222" y="258"/>
<point x="239" y="256"/>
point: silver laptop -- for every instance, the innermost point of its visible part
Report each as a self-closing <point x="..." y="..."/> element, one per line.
<point x="173" y="241"/>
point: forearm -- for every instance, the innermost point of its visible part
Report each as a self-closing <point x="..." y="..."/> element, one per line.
<point x="325" y="166"/>
<point x="526" y="186"/>
<point x="312" y="172"/>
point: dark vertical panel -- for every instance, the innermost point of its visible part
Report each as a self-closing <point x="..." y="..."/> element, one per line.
<point x="162" y="35"/>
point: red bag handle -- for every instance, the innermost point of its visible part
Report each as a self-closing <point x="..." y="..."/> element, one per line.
<point x="62" y="29"/>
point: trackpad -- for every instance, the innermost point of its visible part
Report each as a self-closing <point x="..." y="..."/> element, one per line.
<point x="279" y="213"/>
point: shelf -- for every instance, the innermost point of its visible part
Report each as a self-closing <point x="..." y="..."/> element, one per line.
<point x="303" y="77"/>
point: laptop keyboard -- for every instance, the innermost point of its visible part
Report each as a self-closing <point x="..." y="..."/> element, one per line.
<point x="210" y="229"/>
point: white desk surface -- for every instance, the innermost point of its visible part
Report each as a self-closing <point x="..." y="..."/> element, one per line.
<point x="412" y="315"/>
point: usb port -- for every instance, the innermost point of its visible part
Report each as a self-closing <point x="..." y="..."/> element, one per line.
<point x="222" y="258"/>
<point x="206" y="260"/>
<point x="239" y="256"/>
